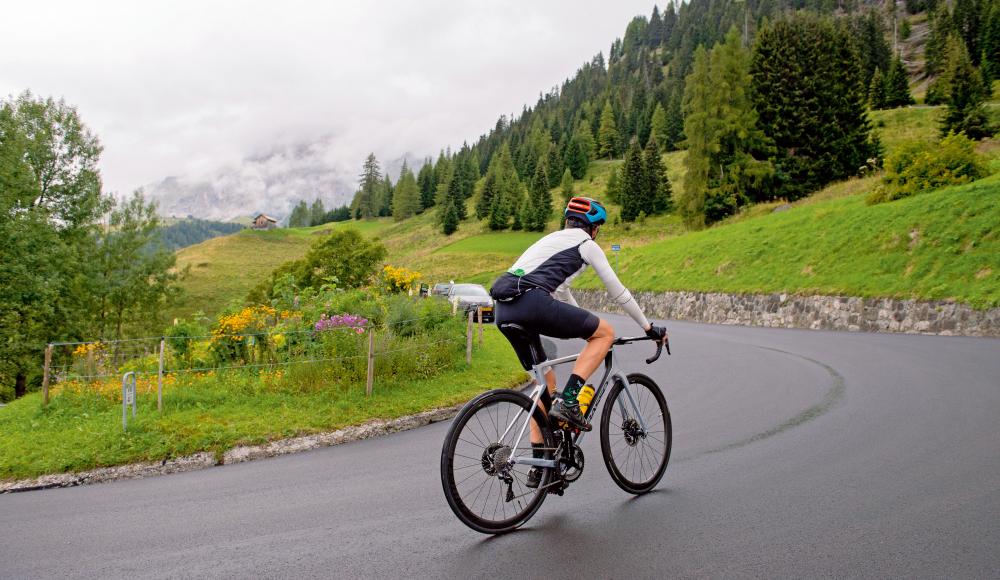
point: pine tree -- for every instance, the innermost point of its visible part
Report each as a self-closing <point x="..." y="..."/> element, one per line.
<point x="455" y="192"/>
<point x="675" y="122"/>
<point x="449" y="221"/>
<point x="613" y="189"/>
<point x="585" y="137"/>
<point x="634" y="185"/>
<point x="442" y="171"/>
<point x="936" y="48"/>
<point x="607" y="135"/>
<point x="554" y="165"/>
<point x="654" y="30"/>
<point x="428" y="187"/>
<point x="659" y="125"/>
<point x="406" y="197"/>
<point x="897" y="86"/>
<point x="316" y="213"/>
<point x="505" y="198"/>
<point x="515" y="211"/>
<point x="499" y="212"/>
<point x="299" y="217"/>
<point x="371" y="183"/>
<point x="657" y="183"/>
<point x="700" y="129"/>
<point x="575" y="158"/>
<point x="990" y="43"/>
<point x="876" y="91"/>
<point x="966" y="96"/>
<point x="967" y="16"/>
<point x="538" y="209"/>
<point x="384" y="198"/>
<point x="726" y="149"/>
<point x="869" y="33"/>
<point x="566" y="186"/>
<point x="799" y="62"/>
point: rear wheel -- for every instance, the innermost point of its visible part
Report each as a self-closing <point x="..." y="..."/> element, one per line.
<point x="636" y="457"/>
<point x="487" y="493"/>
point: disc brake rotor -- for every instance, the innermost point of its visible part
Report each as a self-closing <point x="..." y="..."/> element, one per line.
<point x="631" y="431"/>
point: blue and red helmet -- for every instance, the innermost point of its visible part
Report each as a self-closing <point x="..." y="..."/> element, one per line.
<point x="586" y="209"/>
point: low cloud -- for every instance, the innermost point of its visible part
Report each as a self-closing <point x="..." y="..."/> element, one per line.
<point x="247" y="95"/>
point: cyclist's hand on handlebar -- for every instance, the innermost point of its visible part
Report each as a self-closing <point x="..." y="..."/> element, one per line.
<point x="659" y="336"/>
<point x="657" y="333"/>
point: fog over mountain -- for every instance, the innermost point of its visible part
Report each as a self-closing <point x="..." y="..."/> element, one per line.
<point x="253" y="105"/>
<point x="271" y="183"/>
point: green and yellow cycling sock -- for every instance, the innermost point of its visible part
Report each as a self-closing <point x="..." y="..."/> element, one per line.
<point x="572" y="389"/>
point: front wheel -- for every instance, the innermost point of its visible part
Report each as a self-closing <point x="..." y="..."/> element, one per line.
<point x="485" y="491"/>
<point x="636" y="456"/>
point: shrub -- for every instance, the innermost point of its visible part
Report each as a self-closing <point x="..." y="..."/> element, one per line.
<point x="433" y="313"/>
<point x="397" y="280"/>
<point x="402" y="318"/>
<point x="918" y="167"/>
<point x="181" y="338"/>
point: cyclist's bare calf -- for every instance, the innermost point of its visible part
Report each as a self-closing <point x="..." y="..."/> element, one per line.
<point x="597" y="348"/>
<point x="592" y="356"/>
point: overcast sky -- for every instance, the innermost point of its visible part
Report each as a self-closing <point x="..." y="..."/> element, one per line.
<point x="187" y="88"/>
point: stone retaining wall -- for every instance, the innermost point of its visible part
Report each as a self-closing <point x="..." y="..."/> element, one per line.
<point x="815" y="312"/>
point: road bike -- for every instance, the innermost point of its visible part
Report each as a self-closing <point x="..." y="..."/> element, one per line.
<point x="487" y="452"/>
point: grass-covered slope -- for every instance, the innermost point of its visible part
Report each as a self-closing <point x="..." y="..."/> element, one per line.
<point x="939" y="245"/>
<point x="224" y="269"/>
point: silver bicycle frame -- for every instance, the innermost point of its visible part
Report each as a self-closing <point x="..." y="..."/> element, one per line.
<point x="537" y="373"/>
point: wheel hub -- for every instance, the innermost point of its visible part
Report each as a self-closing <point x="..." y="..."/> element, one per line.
<point x="495" y="459"/>
<point x="632" y="432"/>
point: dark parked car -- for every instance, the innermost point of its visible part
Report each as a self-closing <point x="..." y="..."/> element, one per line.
<point x="469" y="297"/>
<point x="441" y="289"/>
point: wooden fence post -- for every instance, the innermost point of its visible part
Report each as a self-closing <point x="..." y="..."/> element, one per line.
<point x="45" y="375"/>
<point x="371" y="362"/>
<point x="480" y="310"/>
<point x="159" y="380"/>
<point x="468" y="341"/>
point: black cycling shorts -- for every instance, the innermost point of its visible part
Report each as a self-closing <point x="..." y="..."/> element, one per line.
<point x="540" y="314"/>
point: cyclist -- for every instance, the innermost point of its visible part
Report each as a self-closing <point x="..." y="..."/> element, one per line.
<point x="534" y="294"/>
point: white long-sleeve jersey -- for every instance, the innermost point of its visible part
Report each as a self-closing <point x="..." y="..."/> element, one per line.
<point x="553" y="262"/>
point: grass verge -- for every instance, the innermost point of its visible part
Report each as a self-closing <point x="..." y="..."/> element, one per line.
<point x="218" y="412"/>
<point x="943" y="244"/>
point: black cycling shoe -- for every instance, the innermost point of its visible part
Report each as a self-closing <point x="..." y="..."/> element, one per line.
<point x="534" y="477"/>
<point x="569" y="412"/>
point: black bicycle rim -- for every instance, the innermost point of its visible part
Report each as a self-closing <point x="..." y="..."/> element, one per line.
<point x="477" y="496"/>
<point x="636" y="463"/>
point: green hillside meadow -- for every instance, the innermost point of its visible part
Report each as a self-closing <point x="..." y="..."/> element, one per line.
<point x="938" y="245"/>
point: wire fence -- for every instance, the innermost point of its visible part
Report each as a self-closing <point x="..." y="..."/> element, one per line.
<point x="351" y="346"/>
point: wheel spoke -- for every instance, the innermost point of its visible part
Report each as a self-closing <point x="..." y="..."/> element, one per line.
<point x="479" y="498"/>
<point x="635" y="456"/>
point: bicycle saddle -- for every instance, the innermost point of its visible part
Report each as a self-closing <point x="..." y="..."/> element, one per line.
<point x="519" y="334"/>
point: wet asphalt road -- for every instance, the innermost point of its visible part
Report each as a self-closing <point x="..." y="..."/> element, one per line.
<point x="796" y="454"/>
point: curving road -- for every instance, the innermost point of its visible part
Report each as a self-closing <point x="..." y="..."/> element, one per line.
<point x="796" y="454"/>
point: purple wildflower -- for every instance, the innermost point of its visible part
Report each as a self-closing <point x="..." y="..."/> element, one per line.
<point x="356" y="323"/>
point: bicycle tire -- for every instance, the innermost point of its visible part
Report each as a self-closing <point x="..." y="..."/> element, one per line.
<point x="642" y="452"/>
<point x="460" y="504"/>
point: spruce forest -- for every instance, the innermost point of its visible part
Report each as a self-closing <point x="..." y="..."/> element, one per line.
<point x="769" y="98"/>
